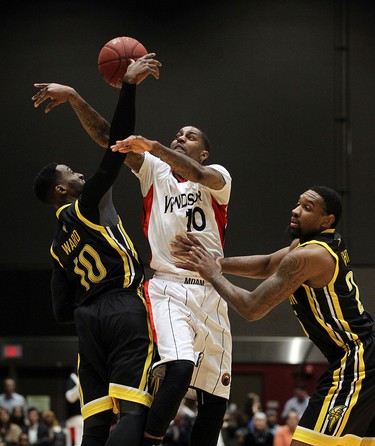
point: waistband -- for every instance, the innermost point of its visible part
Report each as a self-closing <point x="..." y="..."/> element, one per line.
<point x="187" y="280"/>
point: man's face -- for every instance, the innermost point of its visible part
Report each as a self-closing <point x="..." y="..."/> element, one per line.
<point x="33" y="417"/>
<point x="72" y="181"/>
<point x="9" y="386"/>
<point x="189" y="142"/>
<point x="309" y="216"/>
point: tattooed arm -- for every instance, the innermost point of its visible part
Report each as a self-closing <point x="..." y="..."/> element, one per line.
<point x="185" y="166"/>
<point x="311" y="264"/>
<point x="94" y="124"/>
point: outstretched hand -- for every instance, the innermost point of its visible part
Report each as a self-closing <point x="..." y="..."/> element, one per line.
<point x="182" y="245"/>
<point x="136" y="144"/>
<point x="194" y="256"/>
<point x="138" y="70"/>
<point x="203" y="262"/>
<point x="56" y="92"/>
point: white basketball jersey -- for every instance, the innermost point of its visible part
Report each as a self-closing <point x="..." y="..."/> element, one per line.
<point x="175" y="208"/>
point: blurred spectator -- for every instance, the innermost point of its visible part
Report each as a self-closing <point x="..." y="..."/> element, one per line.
<point x="37" y="431"/>
<point x="272" y="420"/>
<point x="259" y="434"/>
<point x="10" y="398"/>
<point x="238" y="422"/>
<point x="23" y="440"/>
<point x="229" y="428"/>
<point x="18" y="416"/>
<point x="178" y="432"/>
<point x="298" y="402"/>
<point x="9" y="432"/>
<point x="252" y="405"/>
<point x="284" y="434"/>
<point x="56" y="433"/>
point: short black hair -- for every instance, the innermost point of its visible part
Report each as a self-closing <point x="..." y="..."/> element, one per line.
<point x="332" y="200"/>
<point x="45" y="182"/>
<point x="206" y="141"/>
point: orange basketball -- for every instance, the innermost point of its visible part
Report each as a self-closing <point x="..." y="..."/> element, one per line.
<point x="114" y="58"/>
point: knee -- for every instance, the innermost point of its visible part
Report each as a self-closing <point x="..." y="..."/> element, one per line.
<point x="179" y="372"/>
<point x="132" y="408"/>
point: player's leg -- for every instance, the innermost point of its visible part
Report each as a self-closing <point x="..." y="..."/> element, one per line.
<point x="96" y="429"/>
<point x="129" y="429"/>
<point x="209" y="420"/>
<point x="129" y="341"/>
<point x="167" y="400"/>
<point x="96" y="405"/>
<point x="175" y="329"/>
<point x="212" y="377"/>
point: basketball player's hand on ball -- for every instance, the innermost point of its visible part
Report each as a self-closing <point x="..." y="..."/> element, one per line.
<point x="138" y="70"/>
<point x="57" y="93"/>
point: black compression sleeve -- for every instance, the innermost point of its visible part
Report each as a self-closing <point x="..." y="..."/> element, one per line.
<point x="122" y="126"/>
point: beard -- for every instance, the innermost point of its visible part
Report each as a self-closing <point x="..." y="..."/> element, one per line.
<point x="293" y="232"/>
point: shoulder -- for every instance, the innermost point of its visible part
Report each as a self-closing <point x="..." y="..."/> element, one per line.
<point x="151" y="162"/>
<point x="303" y="258"/>
<point x="220" y="169"/>
<point x="315" y="262"/>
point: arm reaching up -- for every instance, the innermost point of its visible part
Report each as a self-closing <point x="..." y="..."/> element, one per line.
<point x="94" y="124"/>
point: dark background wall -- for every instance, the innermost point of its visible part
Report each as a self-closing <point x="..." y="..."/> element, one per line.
<point x="284" y="90"/>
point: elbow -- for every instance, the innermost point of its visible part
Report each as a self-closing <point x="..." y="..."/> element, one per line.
<point x="253" y="314"/>
<point x="251" y="317"/>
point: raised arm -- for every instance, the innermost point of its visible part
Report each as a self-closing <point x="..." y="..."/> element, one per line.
<point x="122" y="125"/>
<point x="186" y="167"/>
<point x="94" y="124"/>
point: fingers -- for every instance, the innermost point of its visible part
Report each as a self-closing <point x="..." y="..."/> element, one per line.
<point x="197" y="253"/>
<point x="186" y="265"/>
<point x="120" y="148"/>
<point x="180" y="254"/>
<point x="50" y="106"/>
<point x="182" y="242"/>
<point x="122" y="144"/>
<point x="41" y="95"/>
<point x="194" y="239"/>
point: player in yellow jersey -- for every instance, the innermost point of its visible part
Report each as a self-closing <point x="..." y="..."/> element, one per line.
<point x="314" y="273"/>
<point x="97" y="282"/>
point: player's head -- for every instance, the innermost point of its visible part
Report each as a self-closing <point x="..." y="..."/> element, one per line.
<point x="192" y="142"/>
<point x="318" y="209"/>
<point x="57" y="184"/>
<point x="332" y="201"/>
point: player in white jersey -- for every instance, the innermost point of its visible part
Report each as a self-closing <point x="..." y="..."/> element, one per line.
<point x="181" y="196"/>
<point x="191" y="320"/>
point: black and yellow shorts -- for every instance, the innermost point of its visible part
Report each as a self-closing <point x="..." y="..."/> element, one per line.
<point x="115" y="351"/>
<point x="342" y="410"/>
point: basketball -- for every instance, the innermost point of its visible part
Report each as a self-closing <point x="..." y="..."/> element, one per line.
<point x="114" y="58"/>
